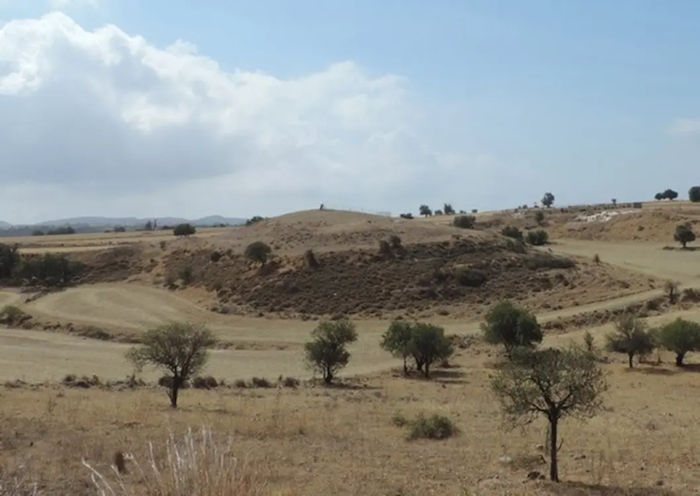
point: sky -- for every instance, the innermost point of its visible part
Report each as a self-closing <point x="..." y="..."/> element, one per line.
<point x="180" y="108"/>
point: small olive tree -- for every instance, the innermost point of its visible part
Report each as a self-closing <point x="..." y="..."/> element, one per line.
<point x="684" y="234"/>
<point x="326" y="352"/>
<point x="680" y="336"/>
<point x="429" y="344"/>
<point x="257" y="251"/>
<point x="180" y="348"/>
<point x="425" y="211"/>
<point x="548" y="200"/>
<point x="512" y="327"/>
<point x="630" y="337"/>
<point x="551" y="383"/>
<point x="397" y="341"/>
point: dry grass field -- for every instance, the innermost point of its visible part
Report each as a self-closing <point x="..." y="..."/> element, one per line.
<point x="318" y="440"/>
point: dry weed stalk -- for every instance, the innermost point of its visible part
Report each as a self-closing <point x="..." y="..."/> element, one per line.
<point x="196" y="465"/>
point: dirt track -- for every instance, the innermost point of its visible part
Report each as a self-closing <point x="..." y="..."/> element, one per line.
<point x="268" y="347"/>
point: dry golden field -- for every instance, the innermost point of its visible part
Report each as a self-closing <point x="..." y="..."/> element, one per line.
<point x="315" y="440"/>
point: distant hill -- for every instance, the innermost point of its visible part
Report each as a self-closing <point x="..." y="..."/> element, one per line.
<point x="95" y="222"/>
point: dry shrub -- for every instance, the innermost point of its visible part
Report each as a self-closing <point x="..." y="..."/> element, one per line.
<point x="199" y="464"/>
<point x="18" y="484"/>
<point x="433" y="427"/>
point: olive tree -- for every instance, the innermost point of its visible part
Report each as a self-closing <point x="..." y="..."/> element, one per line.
<point x="511" y="326"/>
<point x="680" y="336"/>
<point x="429" y="344"/>
<point x="694" y="194"/>
<point x="180" y="348"/>
<point x="548" y="200"/>
<point x="425" y="211"/>
<point x="326" y="352"/>
<point x="257" y="251"/>
<point x="551" y="383"/>
<point x="397" y="341"/>
<point x="630" y="337"/>
<point x="684" y="234"/>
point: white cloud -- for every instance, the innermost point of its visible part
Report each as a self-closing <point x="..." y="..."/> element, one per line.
<point x="110" y="124"/>
<point x="685" y="127"/>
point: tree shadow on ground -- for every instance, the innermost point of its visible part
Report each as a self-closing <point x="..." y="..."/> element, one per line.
<point x="576" y="488"/>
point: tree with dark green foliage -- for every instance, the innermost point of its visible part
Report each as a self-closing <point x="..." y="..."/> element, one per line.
<point x="512" y="232"/>
<point x="326" y="353"/>
<point x="537" y="238"/>
<point x="49" y="269"/>
<point x="684" y="234"/>
<point x="680" y="336"/>
<point x="447" y="208"/>
<point x="397" y="341"/>
<point x="511" y="326"/>
<point x="254" y="220"/>
<point x="184" y="230"/>
<point x="464" y="221"/>
<point x="658" y="196"/>
<point x="425" y="211"/>
<point x="551" y="383"/>
<point x="9" y="260"/>
<point x="179" y="348"/>
<point x="630" y="337"/>
<point x="429" y="344"/>
<point x="669" y="194"/>
<point x="257" y="251"/>
<point x="694" y="194"/>
<point x="548" y="200"/>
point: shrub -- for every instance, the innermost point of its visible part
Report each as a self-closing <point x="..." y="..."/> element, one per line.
<point x="253" y="220"/>
<point x="630" y="337"/>
<point x="395" y="242"/>
<point x="259" y="252"/>
<point x="61" y="230"/>
<point x="215" y="256"/>
<point x="596" y="259"/>
<point x="260" y="382"/>
<point x="50" y="269"/>
<point x="184" y="230"/>
<point x="407" y="215"/>
<point x="512" y="232"/>
<point x="680" y="336"/>
<point x="539" y="217"/>
<point x="205" y="382"/>
<point x="433" y="427"/>
<point x="438" y="212"/>
<point x="672" y="289"/>
<point x="240" y="383"/>
<point x="464" y="221"/>
<point x="694" y="194"/>
<point x="179" y="348"/>
<point x="385" y="248"/>
<point x="186" y="274"/>
<point x="11" y="315"/>
<point x="537" y="238"/>
<point x="290" y="382"/>
<point x="310" y="259"/>
<point x="470" y="277"/>
<point x="326" y="352"/>
<point x="399" y="420"/>
<point x="9" y="260"/>
<point x="448" y="209"/>
<point x="512" y="327"/>
<point x="547" y="261"/>
<point x="684" y="234"/>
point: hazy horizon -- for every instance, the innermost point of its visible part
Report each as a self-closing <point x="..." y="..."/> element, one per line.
<point x="128" y="108"/>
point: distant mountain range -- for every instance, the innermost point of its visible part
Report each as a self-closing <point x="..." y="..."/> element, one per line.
<point x="82" y="223"/>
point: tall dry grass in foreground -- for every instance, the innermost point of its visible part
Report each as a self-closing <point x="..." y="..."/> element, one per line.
<point x="198" y="464"/>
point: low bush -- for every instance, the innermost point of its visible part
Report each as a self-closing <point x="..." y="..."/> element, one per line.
<point x="470" y="277"/>
<point x="406" y="216"/>
<point x="537" y="238"/>
<point x="546" y="261"/>
<point x="289" y="382"/>
<point x="184" y="230"/>
<point x="49" y="270"/>
<point x="215" y="256"/>
<point x="205" y="382"/>
<point x="464" y="221"/>
<point x="260" y="382"/>
<point x="433" y="427"/>
<point x="399" y="420"/>
<point x="512" y="232"/>
<point x="240" y="383"/>
<point x="186" y="274"/>
<point x="13" y="316"/>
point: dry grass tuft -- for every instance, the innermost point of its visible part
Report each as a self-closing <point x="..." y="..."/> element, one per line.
<point x="199" y="464"/>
